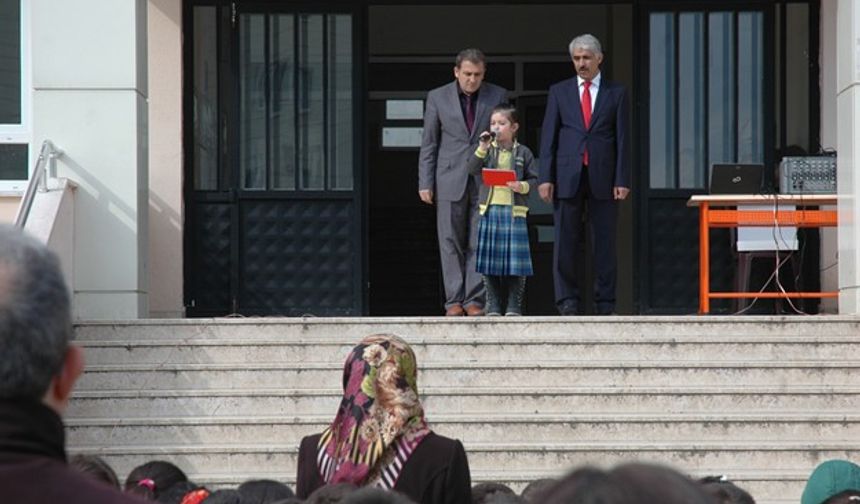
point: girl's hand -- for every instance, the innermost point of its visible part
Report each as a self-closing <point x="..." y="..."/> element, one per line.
<point x="484" y="140"/>
<point x="515" y="186"/>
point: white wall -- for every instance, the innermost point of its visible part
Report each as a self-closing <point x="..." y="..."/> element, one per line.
<point x="165" y="158"/>
<point x="848" y="181"/>
<point x="52" y="221"/>
<point x="89" y="97"/>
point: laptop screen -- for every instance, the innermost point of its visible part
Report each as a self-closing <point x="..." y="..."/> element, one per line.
<point x="736" y="178"/>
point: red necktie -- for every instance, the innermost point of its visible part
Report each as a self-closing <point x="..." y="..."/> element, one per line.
<point x="586" y="113"/>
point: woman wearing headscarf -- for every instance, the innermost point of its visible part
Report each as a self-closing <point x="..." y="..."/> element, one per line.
<point x="379" y="436"/>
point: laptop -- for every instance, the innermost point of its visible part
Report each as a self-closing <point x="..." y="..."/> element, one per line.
<point x="737" y="178"/>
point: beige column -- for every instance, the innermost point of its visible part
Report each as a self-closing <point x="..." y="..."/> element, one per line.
<point x="165" y="158"/>
<point x="90" y="99"/>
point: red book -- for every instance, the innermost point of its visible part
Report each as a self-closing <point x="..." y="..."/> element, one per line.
<point x="493" y="177"/>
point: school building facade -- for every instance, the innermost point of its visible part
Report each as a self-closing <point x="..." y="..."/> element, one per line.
<point x="260" y="157"/>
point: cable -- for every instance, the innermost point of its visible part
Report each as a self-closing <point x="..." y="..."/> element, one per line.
<point x="779" y="264"/>
<point x="778" y="240"/>
<point x="766" y="283"/>
<point x="789" y="256"/>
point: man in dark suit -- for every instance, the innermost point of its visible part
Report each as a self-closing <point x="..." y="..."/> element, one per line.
<point x="456" y="114"/>
<point x="584" y="161"/>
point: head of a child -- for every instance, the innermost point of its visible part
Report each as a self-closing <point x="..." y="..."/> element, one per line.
<point x="504" y="123"/>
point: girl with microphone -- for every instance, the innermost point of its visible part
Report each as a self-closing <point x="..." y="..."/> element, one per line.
<point x="510" y="172"/>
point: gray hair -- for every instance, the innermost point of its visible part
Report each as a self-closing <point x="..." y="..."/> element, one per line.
<point x="35" y="316"/>
<point x="587" y="42"/>
<point x="471" y="54"/>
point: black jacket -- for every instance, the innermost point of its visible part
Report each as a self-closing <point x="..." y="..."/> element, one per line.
<point x="33" y="466"/>
<point x="437" y="472"/>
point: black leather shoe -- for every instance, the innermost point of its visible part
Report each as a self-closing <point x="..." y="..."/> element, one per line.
<point x="567" y="308"/>
<point x="606" y="309"/>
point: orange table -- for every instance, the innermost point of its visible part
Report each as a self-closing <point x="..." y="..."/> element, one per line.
<point x="721" y="217"/>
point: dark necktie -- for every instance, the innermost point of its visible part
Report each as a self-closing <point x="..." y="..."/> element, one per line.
<point x="586" y="113"/>
<point x="470" y="113"/>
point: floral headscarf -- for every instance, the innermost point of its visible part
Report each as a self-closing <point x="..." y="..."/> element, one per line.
<point x="380" y="420"/>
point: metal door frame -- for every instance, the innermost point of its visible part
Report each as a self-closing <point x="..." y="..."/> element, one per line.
<point x="228" y="158"/>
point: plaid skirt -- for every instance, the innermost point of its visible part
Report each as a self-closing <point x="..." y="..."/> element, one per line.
<point x="503" y="243"/>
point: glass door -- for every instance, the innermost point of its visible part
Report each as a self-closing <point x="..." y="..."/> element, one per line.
<point x="706" y="76"/>
<point x="279" y="162"/>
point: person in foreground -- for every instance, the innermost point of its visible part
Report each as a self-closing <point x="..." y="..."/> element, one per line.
<point x="152" y="479"/>
<point x="724" y="491"/>
<point x="584" y="162"/>
<point x="633" y="483"/>
<point x="833" y="482"/>
<point x="95" y="467"/>
<point x="379" y="436"/>
<point x="38" y="370"/>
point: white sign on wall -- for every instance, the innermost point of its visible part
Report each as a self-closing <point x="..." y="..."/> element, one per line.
<point x="404" y="109"/>
<point x="401" y="137"/>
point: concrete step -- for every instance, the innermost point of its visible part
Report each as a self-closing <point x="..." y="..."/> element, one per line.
<point x="692" y="456"/>
<point x="534" y="348"/>
<point x="481" y="374"/>
<point x="558" y="428"/>
<point x="352" y="329"/>
<point x="272" y="402"/>
<point x="762" y="399"/>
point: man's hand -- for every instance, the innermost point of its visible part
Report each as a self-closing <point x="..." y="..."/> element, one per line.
<point x="620" y="192"/>
<point x="426" y="196"/>
<point x="546" y="191"/>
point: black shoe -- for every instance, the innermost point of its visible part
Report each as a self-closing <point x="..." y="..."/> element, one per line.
<point x="516" y="289"/>
<point x="567" y="308"/>
<point x="605" y="309"/>
<point x="493" y="308"/>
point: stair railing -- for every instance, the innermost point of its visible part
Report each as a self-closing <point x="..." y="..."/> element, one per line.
<point x="39" y="180"/>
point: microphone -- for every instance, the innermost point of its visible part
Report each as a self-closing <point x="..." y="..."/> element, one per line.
<point x="486" y="137"/>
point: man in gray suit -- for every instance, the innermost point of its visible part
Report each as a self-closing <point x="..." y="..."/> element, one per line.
<point x="456" y="114"/>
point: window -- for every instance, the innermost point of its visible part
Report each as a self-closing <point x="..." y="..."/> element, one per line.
<point x="706" y="100"/>
<point x="14" y="96"/>
<point x="295" y="102"/>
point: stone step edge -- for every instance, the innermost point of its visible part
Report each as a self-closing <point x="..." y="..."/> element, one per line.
<point x="527" y="476"/>
<point x="553" y="319"/>
<point x="490" y="340"/>
<point x="850" y="363"/>
<point x="555" y="447"/>
<point x="479" y="391"/>
<point x="483" y="418"/>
